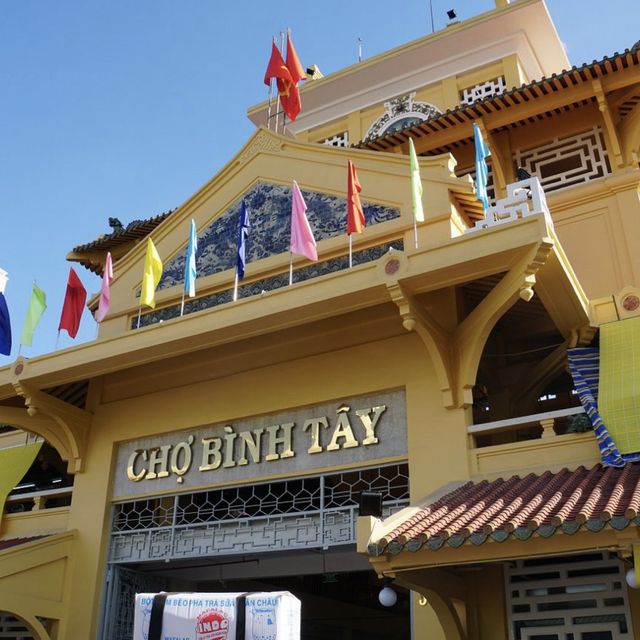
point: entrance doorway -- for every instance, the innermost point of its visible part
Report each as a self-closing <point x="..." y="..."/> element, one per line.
<point x="338" y="590"/>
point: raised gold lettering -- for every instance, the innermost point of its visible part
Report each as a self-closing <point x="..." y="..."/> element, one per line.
<point x="131" y="467"/>
<point x="342" y="430"/>
<point x="369" y="423"/>
<point x="229" y="440"/>
<point x="284" y="440"/>
<point x="181" y="450"/>
<point x="250" y="440"/>
<point x="211" y="456"/>
<point x="315" y="424"/>
<point x="158" y="459"/>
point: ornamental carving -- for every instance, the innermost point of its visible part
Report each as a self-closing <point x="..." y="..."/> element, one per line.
<point x="262" y="143"/>
<point x="401" y="112"/>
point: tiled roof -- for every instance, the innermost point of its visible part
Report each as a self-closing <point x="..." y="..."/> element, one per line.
<point x="14" y="542"/>
<point x="512" y="98"/>
<point x="521" y="507"/>
<point x="136" y="230"/>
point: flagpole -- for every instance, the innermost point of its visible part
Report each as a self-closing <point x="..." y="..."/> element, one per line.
<point x="235" y="287"/>
<point x="415" y="231"/>
<point x="290" y="268"/>
<point x="57" y="340"/>
<point x="139" y="314"/>
<point x="350" y="251"/>
<point x="283" y="52"/>
<point x="275" y="128"/>
<point x="182" y="304"/>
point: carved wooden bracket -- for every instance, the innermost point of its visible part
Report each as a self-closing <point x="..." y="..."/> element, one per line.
<point x="64" y="426"/>
<point x="456" y="354"/>
<point x="609" y="124"/>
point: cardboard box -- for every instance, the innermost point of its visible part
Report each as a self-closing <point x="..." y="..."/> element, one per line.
<point x="212" y="616"/>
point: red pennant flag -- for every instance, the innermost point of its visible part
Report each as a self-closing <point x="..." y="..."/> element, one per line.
<point x="287" y="88"/>
<point x="293" y="63"/>
<point x="73" y="306"/>
<point x="355" y="213"/>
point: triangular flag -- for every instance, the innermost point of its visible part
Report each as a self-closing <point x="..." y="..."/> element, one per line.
<point x="293" y="63"/>
<point x="245" y="227"/>
<point x="482" y="172"/>
<point x="37" y="306"/>
<point x="151" y="276"/>
<point x="355" y="213"/>
<point x="73" y="305"/>
<point x="190" y="264"/>
<point x="416" y="183"/>
<point x="302" y="241"/>
<point x="105" y="291"/>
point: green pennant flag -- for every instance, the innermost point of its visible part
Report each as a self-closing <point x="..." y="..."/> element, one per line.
<point x="37" y="305"/>
<point x="416" y="183"/>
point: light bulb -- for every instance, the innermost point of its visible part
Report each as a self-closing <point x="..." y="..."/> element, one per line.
<point x="387" y="596"/>
<point x="631" y="578"/>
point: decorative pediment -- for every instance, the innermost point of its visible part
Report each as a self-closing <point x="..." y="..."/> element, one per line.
<point x="401" y="112"/>
<point x="269" y="208"/>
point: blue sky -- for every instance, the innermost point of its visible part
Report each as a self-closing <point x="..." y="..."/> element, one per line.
<point x="126" y="108"/>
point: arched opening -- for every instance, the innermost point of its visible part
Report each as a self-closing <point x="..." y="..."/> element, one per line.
<point x="13" y="627"/>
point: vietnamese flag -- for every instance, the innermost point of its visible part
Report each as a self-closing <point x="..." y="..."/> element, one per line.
<point x="355" y="213"/>
<point x="287" y="88"/>
<point x="73" y="306"/>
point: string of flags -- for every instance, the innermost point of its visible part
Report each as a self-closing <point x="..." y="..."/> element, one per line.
<point x="286" y="73"/>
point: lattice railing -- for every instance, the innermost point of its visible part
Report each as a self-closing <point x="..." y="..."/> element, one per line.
<point x="308" y="512"/>
<point x="483" y="90"/>
<point x="564" y="162"/>
<point x="339" y="140"/>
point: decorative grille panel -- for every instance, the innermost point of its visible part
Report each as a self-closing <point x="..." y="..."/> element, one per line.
<point x="339" y="140"/>
<point x="564" y="162"/>
<point x="483" y="90"/>
<point x="569" y="598"/>
<point x="299" y="513"/>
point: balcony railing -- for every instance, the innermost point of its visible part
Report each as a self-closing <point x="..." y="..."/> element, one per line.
<point x="38" y="500"/>
<point x="530" y="441"/>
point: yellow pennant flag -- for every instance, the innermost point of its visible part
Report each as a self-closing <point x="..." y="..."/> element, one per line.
<point x="151" y="276"/>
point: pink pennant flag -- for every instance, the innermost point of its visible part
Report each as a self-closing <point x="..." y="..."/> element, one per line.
<point x="302" y="241"/>
<point x="105" y="293"/>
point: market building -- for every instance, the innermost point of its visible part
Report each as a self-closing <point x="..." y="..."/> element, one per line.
<point x="227" y="449"/>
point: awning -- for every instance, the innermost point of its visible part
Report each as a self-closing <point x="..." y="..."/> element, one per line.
<point x="519" y="508"/>
<point x="14" y="463"/>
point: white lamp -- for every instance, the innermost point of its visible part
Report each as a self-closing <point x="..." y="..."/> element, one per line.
<point x="631" y="578"/>
<point x="387" y="596"/>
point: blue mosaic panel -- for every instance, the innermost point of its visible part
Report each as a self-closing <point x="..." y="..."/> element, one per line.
<point x="267" y="284"/>
<point x="270" y="215"/>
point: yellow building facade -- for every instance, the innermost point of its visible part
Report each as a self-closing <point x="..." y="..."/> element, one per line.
<point x="227" y="448"/>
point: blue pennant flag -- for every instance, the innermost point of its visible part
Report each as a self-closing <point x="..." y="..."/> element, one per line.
<point x="482" y="172"/>
<point x="5" y="327"/>
<point x="190" y="264"/>
<point x="245" y="226"/>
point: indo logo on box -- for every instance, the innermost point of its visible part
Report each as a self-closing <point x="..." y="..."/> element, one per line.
<point x="212" y="625"/>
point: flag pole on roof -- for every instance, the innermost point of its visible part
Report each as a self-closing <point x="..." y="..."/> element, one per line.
<point x="416" y="190"/>
<point x="482" y="172"/>
<point x="150" y="278"/>
<point x="190" y="272"/>
<point x="302" y="241"/>
<point x="245" y="227"/>
<point x="37" y="306"/>
<point x="355" y="213"/>
<point x="75" y="298"/>
<point x="5" y="321"/>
